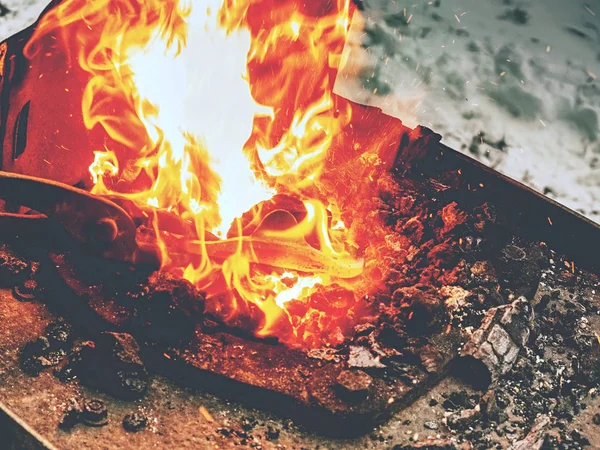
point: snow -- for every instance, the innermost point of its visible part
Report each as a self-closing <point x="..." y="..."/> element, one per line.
<point x="511" y="83"/>
<point x="20" y="14"/>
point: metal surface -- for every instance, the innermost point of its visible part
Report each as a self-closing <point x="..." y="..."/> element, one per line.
<point x="18" y="434"/>
<point x="177" y="414"/>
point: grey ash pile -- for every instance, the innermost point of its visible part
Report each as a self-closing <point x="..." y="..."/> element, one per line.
<point x="549" y="398"/>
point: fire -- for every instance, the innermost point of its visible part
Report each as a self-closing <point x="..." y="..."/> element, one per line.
<point x="221" y="127"/>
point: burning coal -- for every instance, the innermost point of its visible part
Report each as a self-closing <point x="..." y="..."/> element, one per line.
<point x="216" y="127"/>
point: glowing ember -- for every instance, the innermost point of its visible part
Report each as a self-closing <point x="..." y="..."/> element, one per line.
<point x="219" y="124"/>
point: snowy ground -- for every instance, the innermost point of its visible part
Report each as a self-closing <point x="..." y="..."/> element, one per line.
<point x="511" y="83"/>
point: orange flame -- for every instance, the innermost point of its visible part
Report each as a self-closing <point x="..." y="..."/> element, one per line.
<point x="222" y="117"/>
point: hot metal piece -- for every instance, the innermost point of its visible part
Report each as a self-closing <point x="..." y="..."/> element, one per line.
<point x="108" y="230"/>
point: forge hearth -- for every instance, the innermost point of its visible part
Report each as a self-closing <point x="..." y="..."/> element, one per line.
<point x="423" y="329"/>
<point x="340" y="276"/>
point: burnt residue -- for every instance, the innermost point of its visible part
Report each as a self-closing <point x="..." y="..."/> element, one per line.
<point x="353" y="385"/>
<point x="26" y="291"/>
<point x="519" y="267"/>
<point x="135" y="422"/>
<point x="46" y="351"/>
<point x="90" y="412"/>
<point x="165" y="310"/>
<point x="537" y="403"/>
<point x="14" y="269"/>
<point x="111" y="364"/>
<point x="71" y="415"/>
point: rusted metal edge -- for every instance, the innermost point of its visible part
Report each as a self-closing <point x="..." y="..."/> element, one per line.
<point x="17" y="434"/>
<point x="542" y="218"/>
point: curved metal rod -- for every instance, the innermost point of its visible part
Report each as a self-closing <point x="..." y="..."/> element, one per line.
<point x="93" y="221"/>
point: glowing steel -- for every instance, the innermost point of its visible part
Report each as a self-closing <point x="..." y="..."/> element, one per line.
<point x="222" y="129"/>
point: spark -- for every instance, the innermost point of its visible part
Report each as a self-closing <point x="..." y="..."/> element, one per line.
<point x="207" y="415"/>
<point x="542" y="122"/>
<point x="589" y="10"/>
<point x="457" y="19"/>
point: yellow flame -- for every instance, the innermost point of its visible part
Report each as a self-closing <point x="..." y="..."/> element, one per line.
<point x="209" y="110"/>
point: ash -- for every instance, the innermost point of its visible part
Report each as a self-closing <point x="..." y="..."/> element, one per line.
<point x="549" y="398"/>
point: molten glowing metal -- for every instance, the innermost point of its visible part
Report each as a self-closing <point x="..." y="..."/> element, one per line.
<point x="222" y="118"/>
